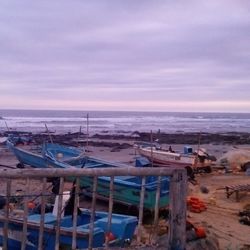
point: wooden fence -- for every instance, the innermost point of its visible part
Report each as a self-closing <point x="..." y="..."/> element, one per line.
<point x="176" y="237"/>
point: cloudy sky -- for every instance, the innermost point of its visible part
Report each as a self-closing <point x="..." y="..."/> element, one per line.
<point x="125" y="55"/>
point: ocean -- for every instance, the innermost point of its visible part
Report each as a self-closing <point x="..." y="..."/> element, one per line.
<point x="114" y="122"/>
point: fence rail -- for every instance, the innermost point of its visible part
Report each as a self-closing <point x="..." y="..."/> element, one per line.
<point x="176" y="237"/>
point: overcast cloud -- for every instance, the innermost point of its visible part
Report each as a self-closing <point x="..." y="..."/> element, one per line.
<point x="125" y="55"/>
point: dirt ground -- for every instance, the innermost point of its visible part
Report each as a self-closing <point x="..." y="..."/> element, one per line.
<point x="221" y="216"/>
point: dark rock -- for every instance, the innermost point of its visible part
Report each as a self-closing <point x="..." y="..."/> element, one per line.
<point x="204" y="190"/>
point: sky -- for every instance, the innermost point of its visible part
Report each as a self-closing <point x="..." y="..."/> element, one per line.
<point x="138" y="55"/>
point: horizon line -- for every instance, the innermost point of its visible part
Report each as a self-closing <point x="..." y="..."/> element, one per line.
<point x="136" y="111"/>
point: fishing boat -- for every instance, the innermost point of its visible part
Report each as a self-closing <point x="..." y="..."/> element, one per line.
<point x="122" y="229"/>
<point x="47" y="157"/>
<point x="188" y="158"/>
<point x="126" y="188"/>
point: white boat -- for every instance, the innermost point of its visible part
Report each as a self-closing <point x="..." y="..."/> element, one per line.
<point x="188" y="158"/>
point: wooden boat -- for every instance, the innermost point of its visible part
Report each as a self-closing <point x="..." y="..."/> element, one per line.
<point x="47" y="157"/>
<point x="126" y="188"/>
<point x="122" y="230"/>
<point x="188" y="158"/>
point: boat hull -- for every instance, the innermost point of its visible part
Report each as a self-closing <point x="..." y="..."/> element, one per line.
<point x="127" y="190"/>
<point x="166" y="157"/>
<point x="173" y="159"/>
<point x="122" y="227"/>
<point x="47" y="158"/>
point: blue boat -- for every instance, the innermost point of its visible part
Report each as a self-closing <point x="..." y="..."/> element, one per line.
<point x="48" y="156"/>
<point x="122" y="229"/>
<point x="127" y="189"/>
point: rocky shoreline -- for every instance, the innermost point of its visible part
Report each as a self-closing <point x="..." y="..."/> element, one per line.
<point x="232" y="138"/>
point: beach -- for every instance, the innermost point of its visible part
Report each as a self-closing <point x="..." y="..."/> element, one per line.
<point x="221" y="217"/>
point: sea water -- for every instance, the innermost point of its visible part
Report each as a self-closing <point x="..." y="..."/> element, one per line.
<point x="115" y="122"/>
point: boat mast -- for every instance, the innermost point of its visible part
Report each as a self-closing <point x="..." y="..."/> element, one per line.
<point x="151" y="142"/>
<point x="198" y="149"/>
<point x="87" y="142"/>
<point x="7" y="126"/>
<point x="199" y="142"/>
<point x="79" y="136"/>
<point x="50" y="138"/>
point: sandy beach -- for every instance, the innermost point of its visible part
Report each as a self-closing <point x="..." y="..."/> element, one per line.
<point x="221" y="217"/>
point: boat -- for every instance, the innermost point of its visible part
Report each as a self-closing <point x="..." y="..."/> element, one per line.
<point x="47" y="157"/>
<point x="121" y="230"/>
<point x="3" y="139"/>
<point x="127" y="189"/>
<point x="190" y="159"/>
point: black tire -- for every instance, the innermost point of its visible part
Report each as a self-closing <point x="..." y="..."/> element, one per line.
<point x="245" y="166"/>
<point x="20" y="165"/>
<point x="208" y="169"/>
<point x="190" y="172"/>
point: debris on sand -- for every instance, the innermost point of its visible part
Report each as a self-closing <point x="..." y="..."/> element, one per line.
<point x="235" y="159"/>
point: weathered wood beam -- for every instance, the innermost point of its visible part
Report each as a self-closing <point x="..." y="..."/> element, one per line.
<point x="177" y="210"/>
<point x="55" y="172"/>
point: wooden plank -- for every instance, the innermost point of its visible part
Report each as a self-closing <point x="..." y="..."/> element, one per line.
<point x="112" y="171"/>
<point x="111" y="202"/>
<point x="40" y="240"/>
<point x="5" y="229"/>
<point x="76" y="202"/>
<point x="92" y="218"/>
<point x="141" y="209"/>
<point x="59" y="213"/>
<point x="156" y="212"/>
<point x="25" y="215"/>
<point x="177" y="210"/>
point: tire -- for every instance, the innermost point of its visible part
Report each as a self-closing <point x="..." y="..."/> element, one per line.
<point x="19" y="165"/>
<point x="245" y="166"/>
<point x="190" y="172"/>
<point x="208" y="169"/>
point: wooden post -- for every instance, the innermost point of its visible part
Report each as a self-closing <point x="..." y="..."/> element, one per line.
<point x="59" y="214"/>
<point x="111" y="193"/>
<point x="92" y="218"/>
<point x="5" y="229"/>
<point x="25" y="215"/>
<point x="76" y="202"/>
<point x="157" y="199"/>
<point x="41" y="230"/>
<point x="141" y="206"/>
<point x="177" y="210"/>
